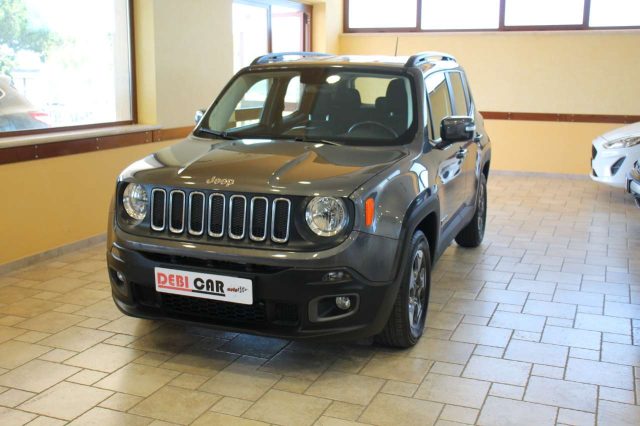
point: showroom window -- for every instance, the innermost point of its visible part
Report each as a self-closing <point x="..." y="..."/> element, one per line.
<point x="61" y="73"/>
<point x="489" y="15"/>
<point x="262" y="26"/>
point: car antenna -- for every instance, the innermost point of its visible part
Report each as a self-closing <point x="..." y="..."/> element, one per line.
<point x="397" y="40"/>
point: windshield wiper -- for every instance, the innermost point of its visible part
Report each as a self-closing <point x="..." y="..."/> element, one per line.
<point x="217" y="134"/>
<point x="322" y="141"/>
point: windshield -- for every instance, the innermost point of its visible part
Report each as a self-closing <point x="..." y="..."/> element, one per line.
<point x="327" y="105"/>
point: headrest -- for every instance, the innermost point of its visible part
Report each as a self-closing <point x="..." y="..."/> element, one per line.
<point x="396" y="91"/>
<point x="348" y="98"/>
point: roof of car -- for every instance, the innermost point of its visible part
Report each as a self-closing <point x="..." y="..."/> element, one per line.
<point x="314" y="58"/>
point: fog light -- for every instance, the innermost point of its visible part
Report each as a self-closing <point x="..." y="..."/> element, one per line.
<point x="343" y="302"/>
<point x="120" y="276"/>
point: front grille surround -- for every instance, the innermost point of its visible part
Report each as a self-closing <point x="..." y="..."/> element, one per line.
<point x="223" y="216"/>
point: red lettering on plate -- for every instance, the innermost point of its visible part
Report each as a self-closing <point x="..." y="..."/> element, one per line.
<point x="172" y="280"/>
<point x="181" y="281"/>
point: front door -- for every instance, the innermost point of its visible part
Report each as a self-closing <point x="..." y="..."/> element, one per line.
<point x="452" y="160"/>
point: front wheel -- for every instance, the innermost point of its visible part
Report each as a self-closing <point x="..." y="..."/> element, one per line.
<point x="472" y="234"/>
<point x="406" y="322"/>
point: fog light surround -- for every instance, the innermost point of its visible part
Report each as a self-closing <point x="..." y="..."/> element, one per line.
<point x="333" y="307"/>
<point x="120" y="276"/>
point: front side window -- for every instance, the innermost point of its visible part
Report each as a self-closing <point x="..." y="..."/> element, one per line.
<point x="59" y="72"/>
<point x="319" y="104"/>
<point x="439" y="101"/>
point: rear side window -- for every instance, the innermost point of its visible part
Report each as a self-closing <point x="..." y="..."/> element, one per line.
<point x="460" y="97"/>
<point x="439" y="101"/>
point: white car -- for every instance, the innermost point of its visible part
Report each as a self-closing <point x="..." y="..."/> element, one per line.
<point x="614" y="153"/>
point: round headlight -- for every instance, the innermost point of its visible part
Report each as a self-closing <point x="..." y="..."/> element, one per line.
<point x="135" y="200"/>
<point x="326" y="216"/>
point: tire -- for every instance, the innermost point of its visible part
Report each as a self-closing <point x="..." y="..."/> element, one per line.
<point x="406" y="321"/>
<point x="473" y="234"/>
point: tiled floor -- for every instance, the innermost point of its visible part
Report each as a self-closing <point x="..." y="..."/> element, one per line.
<point x="540" y="325"/>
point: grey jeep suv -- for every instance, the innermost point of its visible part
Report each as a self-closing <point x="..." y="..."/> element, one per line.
<point x="310" y="200"/>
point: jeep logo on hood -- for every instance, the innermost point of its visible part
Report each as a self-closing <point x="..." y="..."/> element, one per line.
<point x="220" y="181"/>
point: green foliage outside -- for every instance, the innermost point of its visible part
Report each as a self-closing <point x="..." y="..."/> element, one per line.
<point x="17" y="34"/>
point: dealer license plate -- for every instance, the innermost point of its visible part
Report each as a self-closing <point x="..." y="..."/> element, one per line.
<point x="204" y="286"/>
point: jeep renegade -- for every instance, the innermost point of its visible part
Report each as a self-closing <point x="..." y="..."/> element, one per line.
<point x="310" y="200"/>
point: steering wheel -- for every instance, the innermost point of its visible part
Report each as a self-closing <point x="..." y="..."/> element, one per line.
<point x="373" y="127"/>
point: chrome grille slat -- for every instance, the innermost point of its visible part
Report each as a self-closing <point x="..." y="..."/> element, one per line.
<point x="197" y="199"/>
<point x="173" y="221"/>
<point x="239" y="220"/>
<point x="216" y="220"/>
<point x="280" y="235"/>
<point x="257" y="215"/>
<point x="218" y="215"/>
<point x="157" y="192"/>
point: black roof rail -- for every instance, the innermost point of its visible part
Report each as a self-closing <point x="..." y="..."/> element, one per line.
<point x="422" y="57"/>
<point x="279" y="56"/>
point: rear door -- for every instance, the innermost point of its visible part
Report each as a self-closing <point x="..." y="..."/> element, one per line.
<point x="462" y="107"/>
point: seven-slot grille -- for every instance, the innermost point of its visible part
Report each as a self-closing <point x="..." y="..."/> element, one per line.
<point x="218" y="215"/>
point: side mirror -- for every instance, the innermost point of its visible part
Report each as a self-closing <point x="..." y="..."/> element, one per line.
<point x="199" y="115"/>
<point x="456" y="129"/>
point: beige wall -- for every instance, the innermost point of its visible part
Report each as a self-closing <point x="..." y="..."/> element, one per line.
<point x="579" y="72"/>
<point x="593" y="72"/>
<point x="60" y="200"/>
<point x="327" y="26"/>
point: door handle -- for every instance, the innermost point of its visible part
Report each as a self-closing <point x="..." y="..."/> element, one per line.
<point x="478" y="137"/>
<point x="461" y="154"/>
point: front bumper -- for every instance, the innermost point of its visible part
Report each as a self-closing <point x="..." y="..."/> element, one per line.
<point x="610" y="166"/>
<point x="290" y="297"/>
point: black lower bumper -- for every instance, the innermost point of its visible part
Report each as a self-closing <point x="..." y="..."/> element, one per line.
<point x="292" y="303"/>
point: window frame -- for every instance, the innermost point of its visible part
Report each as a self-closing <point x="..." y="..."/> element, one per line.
<point x="306" y="9"/>
<point x="501" y="25"/>
<point x="133" y="97"/>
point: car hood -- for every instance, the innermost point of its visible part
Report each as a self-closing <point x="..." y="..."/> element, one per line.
<point x="623" y="132"/>
<point x="264" y="166"/>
